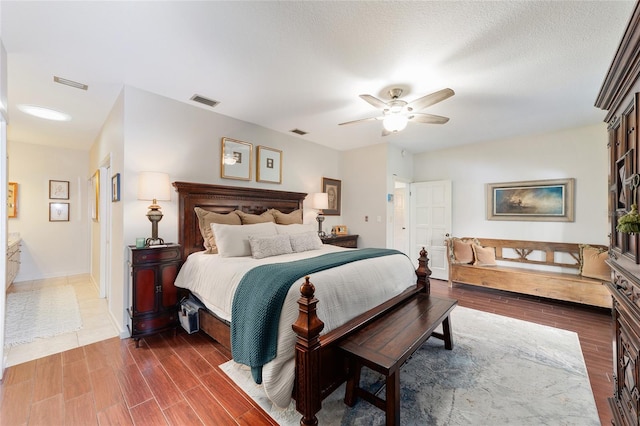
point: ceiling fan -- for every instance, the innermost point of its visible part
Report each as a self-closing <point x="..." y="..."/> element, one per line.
<point x="397" y="113"/>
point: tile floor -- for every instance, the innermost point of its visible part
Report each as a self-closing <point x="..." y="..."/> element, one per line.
<point x="97" y="324"/>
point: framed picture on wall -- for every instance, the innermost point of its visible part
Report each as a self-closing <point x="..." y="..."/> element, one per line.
<point x="333" y="188"/>
<point x="269" y="163"/>
<point x="58" y="212"/>
<point x="115" y="187"/>
<point x="59" y="189"/>
<point x="94" y="193"/>
<point x="539" y="200"/>
<point x="12" y="200"/>
<point x="235" y="159"/>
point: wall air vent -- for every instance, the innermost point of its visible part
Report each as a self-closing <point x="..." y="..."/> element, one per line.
<point x="71" y="83"/>
<point x="298" y="132"/>
<point x="205" y="101"/>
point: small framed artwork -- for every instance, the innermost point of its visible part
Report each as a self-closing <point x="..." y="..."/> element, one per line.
<point x="95" y="195"/>
<point x="12" y="200"/>
<point x="59" y="189"/>
<point x="115" y="187"/>
<point x="58" y="212"/>
<point x="235" y="159"/>
<point x="539" y="200"/>
<point x="269" y="163"/>
<point x="333" y="188"/>
<point x="340" y="230"/>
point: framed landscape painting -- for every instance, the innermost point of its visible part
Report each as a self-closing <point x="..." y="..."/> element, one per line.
<point x="539" y="200"/>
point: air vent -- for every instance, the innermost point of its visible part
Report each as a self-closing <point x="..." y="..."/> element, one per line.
<point x="205" y="101"/>
<point x="298" y="132"/>
<point x="71" y="83"/>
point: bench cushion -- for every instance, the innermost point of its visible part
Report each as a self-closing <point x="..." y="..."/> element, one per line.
<point x="461" y="249"/>
<point x="592" y="263"/>
<point x="484" y="256"/>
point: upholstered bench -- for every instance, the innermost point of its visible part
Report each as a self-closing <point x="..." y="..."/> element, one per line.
<point x="385" y="344"/>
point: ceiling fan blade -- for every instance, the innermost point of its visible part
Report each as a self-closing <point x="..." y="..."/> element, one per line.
<point x="431" y="99"/>
<point x="374" y="101"/>
<point x="428" y="118"/>
<point x="360" y="120"/>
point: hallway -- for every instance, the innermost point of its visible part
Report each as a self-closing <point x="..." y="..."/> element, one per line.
<point x="96" y="322"/>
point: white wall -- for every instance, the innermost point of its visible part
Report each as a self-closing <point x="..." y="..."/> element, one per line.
<point x="579" y="153"/>
<point x="49" y="249"/>
<point x="364" y="189"/>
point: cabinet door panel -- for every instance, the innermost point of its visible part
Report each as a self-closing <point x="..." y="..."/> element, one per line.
<point x="169" y="290"/>
<point x="144" y="290"/>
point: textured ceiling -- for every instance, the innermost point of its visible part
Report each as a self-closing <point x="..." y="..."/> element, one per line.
<point x="517" y="67"/>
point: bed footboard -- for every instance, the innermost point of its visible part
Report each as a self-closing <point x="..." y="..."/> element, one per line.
<point x="309" y="390"/>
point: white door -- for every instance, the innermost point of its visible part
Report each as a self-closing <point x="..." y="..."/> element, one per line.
<point x="431" y="223"/>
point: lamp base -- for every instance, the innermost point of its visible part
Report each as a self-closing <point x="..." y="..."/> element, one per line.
<point x="320" y="219"/>
<point x="153" y="242"/>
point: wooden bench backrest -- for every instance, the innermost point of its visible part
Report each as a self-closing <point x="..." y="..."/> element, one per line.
<point x="523" y="249"/>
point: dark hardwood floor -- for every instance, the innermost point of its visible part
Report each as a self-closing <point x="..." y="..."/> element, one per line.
<point x="175" y="380"/>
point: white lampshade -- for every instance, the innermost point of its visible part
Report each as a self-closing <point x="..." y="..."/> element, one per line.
<point x="154" y="186"/>
<point x="395" y="122"/>
<point x="320" y="201"/>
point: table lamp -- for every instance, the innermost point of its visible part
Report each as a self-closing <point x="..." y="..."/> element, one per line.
<point x="154" y="186"/>
<point x="320" y="201"/>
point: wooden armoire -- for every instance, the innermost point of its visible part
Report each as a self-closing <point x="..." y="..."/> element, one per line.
<point x="620" y="96"/>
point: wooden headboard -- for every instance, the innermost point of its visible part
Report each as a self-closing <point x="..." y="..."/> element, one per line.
<point x="224" y="199"/>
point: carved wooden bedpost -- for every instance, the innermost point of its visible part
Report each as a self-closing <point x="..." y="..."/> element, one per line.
<point x="308" y="327"/>
<point x="423" y="272"/>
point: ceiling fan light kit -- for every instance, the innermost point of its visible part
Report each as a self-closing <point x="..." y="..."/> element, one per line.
<point x="397" y="112"/>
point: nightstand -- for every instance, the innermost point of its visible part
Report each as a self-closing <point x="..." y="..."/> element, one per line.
<point x="349" y="241"/>
<point x="154" y="298"/>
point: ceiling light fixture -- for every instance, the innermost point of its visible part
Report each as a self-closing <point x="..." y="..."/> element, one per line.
<point x="42" y="112"/>
<point x="395" y="122"/>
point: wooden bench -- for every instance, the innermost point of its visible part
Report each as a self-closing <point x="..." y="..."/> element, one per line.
<point x="562" y="283"/>
<point x="385" y="344"/>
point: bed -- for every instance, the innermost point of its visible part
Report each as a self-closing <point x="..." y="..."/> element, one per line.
<point x="311" y="358"/>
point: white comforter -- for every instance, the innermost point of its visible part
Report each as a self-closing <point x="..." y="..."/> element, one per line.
<point x="343" y="293"/>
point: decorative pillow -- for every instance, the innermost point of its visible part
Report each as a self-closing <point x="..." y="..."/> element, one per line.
<point x="485" y="256"/>
<point x="305" y="241"/>
<point x="460" y="250"/>
<point x="233" y="240"/>
<point x="206" y="218"/>
<point x="294" y="228"/>
<point x="273" y="245"/>
<point x="287" y="218"/>
<point x="592" y="263"/>
<point x="249" y="219"/>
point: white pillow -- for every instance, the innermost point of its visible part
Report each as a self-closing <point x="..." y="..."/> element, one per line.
<point x="233" y="240"/>
<point x="305" y="241"/>
<point x="273" y="245"/>
<point x="295" y="228"/>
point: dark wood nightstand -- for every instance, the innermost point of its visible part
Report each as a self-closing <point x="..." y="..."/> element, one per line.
<point x="154" y="298"/>
<point x="349" y="241"/>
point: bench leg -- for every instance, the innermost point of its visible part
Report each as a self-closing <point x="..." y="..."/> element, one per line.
<point x="353" y="382"/>
<point x="393" y="399"/>
<point x="446" y="331"/>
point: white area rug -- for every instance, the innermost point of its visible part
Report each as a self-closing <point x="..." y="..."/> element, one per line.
<point x="41" y="313"/>
<point x="501" y="371"/>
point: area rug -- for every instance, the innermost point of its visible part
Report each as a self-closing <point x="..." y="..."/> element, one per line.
<point x="40" y="313"/>
<point x="501" y="371"/>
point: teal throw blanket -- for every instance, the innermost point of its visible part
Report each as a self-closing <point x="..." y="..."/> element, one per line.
<point x="259" y="298"/>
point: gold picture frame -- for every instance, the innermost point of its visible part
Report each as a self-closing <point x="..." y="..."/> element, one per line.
<point x="12" y="199"/>
<point x="235" y="159"/>
<point x="549" y="200"/>
<point x="269" y="165"/>
<point x="95" y="196"/>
